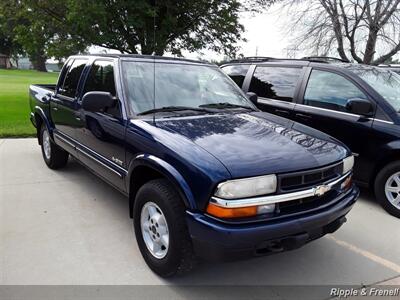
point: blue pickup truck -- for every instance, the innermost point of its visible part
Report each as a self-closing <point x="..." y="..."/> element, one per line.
<point x="207" y="174"/>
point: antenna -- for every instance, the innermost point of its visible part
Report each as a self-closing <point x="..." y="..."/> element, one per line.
<point x="154" y="61"/>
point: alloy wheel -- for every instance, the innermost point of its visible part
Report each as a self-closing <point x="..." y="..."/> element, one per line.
<point x="392" y="189"/>
<point x="154" y="229"/>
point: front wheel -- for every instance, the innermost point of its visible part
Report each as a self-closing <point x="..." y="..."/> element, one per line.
<point x="387" y="188"/>
<point x="53" y="155"/>
<point x="160" y="228"/>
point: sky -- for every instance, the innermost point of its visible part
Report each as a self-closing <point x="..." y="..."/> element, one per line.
<point x="265" y="35"/>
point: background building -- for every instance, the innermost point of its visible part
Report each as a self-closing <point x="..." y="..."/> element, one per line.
<point x="5" y="62"/>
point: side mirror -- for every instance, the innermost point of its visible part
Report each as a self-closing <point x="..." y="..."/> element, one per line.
<point x="252" y="97"/>
<point x="97" y="101"/>
<point x="360" y="107"/>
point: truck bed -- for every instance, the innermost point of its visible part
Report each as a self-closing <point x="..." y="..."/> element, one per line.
<point x="39" y="99"/>
<point x="49" y="87"/>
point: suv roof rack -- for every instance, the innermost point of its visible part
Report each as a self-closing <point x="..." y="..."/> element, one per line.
<point x="325" y="59"/>
<point x="389" y="65"/>
<point x="252" y="58"/>
<point x="320" y="59"/>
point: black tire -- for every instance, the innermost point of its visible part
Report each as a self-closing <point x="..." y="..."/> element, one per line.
<point x="58" y="157"/>
<point x="179" y="257"/>
<point x="379" y="187"/>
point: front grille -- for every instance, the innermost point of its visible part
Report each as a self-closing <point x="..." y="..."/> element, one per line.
<point x="305" y="204"/>
<point x="300" y="180"/>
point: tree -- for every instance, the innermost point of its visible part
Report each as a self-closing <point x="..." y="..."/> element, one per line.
<point x="39" y="34"/>
<point x="368" y="31"/>
<point x="147" y="26"/>
<point x="8" y="45"/>
<point x="58" y="28"/>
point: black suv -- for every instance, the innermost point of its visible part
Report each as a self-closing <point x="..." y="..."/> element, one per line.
<point x="357" y="104"/>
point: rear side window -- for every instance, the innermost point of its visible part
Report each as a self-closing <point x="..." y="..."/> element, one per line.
<point x="329" y="90"/>
<point x="276" y="83"/>
<point x="72" y="78"/>
<point x="101" y="77"/>
<point x="237" y="73"/>
<point x="64" y="72"/>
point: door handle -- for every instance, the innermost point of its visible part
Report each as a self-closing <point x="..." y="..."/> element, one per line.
<point x="303" y="116"/>
<point x="55" y="108"/>
<point x="77" y="115"/>
<point x="281" y="112"/>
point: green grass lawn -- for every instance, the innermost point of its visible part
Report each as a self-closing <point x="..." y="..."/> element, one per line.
<point x="14" y="104"/>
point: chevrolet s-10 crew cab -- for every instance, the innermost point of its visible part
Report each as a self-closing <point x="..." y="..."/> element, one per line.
<point x="207" y="174"/>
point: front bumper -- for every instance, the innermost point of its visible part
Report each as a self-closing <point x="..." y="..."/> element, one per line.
<point x="214" y="240"/>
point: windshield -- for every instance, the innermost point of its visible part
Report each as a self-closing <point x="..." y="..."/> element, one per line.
<point x="385" y="82"/>
<point x="178" y="85"/>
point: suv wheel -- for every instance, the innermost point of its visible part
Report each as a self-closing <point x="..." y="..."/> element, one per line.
<point x="387" y="188"/>
<point x="53" y="155"/>
<point x="160" y="228"/>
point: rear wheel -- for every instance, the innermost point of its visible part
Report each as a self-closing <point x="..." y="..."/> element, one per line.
<point x="160" y="228"/>
<point x="53" y="155"/>
<point x="387" y="188"/>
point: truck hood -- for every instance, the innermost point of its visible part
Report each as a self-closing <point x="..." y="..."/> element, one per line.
<point x="251" y="144"/>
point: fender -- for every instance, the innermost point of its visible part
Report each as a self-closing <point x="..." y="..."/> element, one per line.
<point x="166" y="170"/>
<point x="42" y="114"/>
<point x="392" y="146"/>
<point x="387" y="153"/>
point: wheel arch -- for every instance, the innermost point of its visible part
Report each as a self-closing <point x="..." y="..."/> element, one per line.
<point x="40" y="119"/>
<point x="144" y="168"/>
<point x="388" y="155"/>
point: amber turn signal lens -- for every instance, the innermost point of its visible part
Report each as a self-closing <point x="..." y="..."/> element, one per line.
<point x="223" y="212"/>
<point x="347" y="183"/>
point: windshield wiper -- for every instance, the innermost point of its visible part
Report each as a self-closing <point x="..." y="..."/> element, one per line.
<point x="222" y="105"/>
<point x="173" y="108"/>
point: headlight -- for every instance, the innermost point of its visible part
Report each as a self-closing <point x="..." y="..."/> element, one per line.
<point x="348" y="164"/>
<point x="248" y="187"/>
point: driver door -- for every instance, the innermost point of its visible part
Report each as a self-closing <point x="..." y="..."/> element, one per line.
<point x="101" y="134"/>
<point x="323" y="107"/>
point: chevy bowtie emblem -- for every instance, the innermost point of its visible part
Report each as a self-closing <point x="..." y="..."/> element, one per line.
<point x="322" y="189"/>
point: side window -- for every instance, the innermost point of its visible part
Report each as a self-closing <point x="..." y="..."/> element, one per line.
<point x="64" y="72"/>
<point x="277" y="83"/>
<point x="72" y="78"/>
<point x="101" y="77"/>
<point x="237" y="73"/>
<point x="329" y="90"/>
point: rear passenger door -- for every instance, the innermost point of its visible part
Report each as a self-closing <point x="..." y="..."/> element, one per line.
<point x="63" y="104"/>
<point x="276" y="88"/>
<point x="323" y="107"/>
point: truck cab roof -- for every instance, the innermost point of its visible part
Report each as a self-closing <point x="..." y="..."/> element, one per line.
<point x="142" y="57"/>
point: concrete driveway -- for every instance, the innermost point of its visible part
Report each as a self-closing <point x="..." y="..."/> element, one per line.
<point x="68" y="227"/>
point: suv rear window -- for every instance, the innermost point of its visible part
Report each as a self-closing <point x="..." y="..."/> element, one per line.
<point x="237" y="73"/>
<point x="277" y="83"/>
